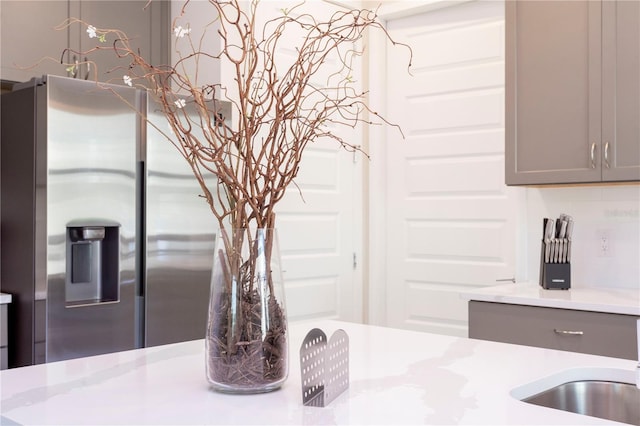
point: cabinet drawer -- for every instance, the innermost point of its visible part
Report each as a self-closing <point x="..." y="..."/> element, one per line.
<point x="564" y="329"/>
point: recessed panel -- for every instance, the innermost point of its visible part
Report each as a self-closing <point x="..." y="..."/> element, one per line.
<point x="467" y="174"/>
<point x="452" y="46"/>
<point x="448" y="271"/>
<point x="441" y="303"/>
<point x="308" y="234"/>
<point x="481" y="241"/>
<point x="315" y="298"/>
<point x="318" y="170"/>
<point x="455" y="143"/>
<point x="470" y="109"/>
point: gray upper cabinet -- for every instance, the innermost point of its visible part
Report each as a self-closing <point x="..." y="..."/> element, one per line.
<point x="28" y="35"/>
<point x="621" y="90"/>
<point x="146" y="25"/>
<point x="572" y="92"/>
<point x="29" y="44"/>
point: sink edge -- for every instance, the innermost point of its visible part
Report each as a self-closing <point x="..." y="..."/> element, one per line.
<point x="571" y="375"/>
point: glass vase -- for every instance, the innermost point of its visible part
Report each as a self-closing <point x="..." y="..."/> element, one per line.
<point x="247" y="335"/>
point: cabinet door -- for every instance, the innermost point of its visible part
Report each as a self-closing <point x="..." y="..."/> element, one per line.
<point x="145" y="23"/>
<point x="553" y="83"/>
<point x="4" y="361"/>
<point x="621" y="91"/>
<point x="27" y="37"/>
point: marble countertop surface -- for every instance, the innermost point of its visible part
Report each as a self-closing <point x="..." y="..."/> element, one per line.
<point x="611" y="300"/>
<point x="5" y="298"/>
<point x="396" y="377"/>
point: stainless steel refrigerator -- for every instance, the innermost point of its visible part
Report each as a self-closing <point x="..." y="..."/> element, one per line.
<point x="106" y="244"/>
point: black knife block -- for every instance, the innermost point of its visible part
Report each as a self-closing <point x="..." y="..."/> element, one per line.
<point x="554" y="276"/>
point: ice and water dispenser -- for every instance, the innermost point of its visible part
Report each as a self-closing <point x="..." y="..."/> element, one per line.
<point x="92" y="264"/>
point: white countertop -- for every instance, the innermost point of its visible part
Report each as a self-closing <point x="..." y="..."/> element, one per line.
<point x="5" y="298"/>
<point x="396" y="377"/>
<point x="612" y="300"/>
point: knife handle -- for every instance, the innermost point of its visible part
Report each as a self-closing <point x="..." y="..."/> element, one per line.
<point x="569" y="229"/>
<point x="547" y="250"/>
<point x="561" y="255"/>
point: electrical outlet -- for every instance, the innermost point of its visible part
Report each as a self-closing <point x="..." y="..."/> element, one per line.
<point x="604" y="245"/>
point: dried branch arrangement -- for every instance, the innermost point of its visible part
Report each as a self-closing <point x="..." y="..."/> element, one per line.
<point x="277" y="112"/>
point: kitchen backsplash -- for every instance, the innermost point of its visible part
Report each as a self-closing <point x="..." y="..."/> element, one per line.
<point x="606" y="236"/>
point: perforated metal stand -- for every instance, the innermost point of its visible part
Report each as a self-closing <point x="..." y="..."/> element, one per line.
<point x="324" y="367"/>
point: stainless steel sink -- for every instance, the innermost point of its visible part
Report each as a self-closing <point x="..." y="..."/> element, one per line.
<point x="609" y="400"/>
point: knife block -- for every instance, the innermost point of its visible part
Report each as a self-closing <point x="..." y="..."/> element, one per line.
<point x="554" y="276"/>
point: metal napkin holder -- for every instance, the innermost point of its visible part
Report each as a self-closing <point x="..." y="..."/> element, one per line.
<point x="324" y="367"/>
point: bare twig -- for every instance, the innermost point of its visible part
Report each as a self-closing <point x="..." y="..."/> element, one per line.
<point x="278" y="111"/>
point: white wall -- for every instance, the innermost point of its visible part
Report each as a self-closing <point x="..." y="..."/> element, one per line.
<point x="613" y="211"/>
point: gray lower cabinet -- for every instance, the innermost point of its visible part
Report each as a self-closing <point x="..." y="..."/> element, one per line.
<point x="588" y="332"/>
<point x="31" y="46"/>
<point x="572" y="91"/>
<point x="3" y="337"/>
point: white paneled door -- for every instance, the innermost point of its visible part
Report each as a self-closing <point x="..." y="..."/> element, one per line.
<point x="320" y="238"/>
<point x="450" y="218"/>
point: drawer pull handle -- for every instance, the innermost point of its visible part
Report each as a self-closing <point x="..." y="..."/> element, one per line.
<point x="569" y="332"/>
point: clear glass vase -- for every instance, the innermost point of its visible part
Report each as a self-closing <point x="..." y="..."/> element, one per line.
<point x="247" y="333"/>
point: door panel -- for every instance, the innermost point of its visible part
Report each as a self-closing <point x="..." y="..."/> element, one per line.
<point x="316" y="228"/>
<point x="89" y="146"/>
<point x="144" y="23"/>
<point x="450" y="218"/>
<point x="554" y="84"/>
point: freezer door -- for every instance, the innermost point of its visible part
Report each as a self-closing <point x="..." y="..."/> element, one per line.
<point x="180" y="232"/>
<point x="90" y="213"/>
